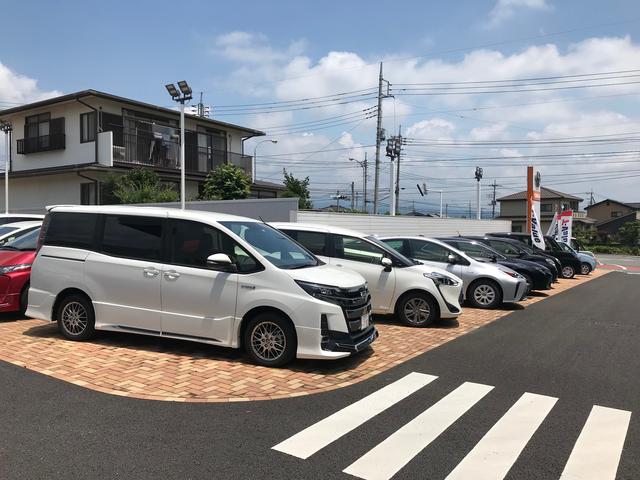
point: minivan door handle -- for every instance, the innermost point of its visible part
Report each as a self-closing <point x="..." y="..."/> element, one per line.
<point x="171" y="275"/>
<point x="151" y="272"/>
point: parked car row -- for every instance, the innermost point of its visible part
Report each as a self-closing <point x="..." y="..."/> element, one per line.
<point x="279" y="291"/>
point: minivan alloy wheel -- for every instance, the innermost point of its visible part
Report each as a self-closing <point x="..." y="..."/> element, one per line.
<point x="268" y="341"/>
<point x="417" y="311"/>
<point x="74" y="318"/>
<point x="484" y="294"/>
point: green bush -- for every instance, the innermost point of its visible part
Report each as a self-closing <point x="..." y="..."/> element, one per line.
<point x="227" y="182"/>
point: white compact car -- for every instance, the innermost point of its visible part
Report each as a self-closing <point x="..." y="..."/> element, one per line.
<point x="11" y="231"/>
<point x="210" y="278"/>
<point x="487" y="285"/>
<point x="417" y="294"/>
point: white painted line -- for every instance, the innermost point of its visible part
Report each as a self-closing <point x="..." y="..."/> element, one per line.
<point x="597" y="451"/>
<point x="621" y="266"/>
<point x="495" y="454"/>
<point x="317" y="436"/>
<point x="388" y="457"/>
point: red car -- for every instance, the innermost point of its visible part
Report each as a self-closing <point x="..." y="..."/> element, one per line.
<point x="16" y="258"/>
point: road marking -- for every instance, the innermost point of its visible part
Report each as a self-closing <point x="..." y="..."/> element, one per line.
<point x="317" y="436"/>
<point x="621" y="266"/>
<point x="498" y="450"/>
<point x="597" y="451"/>
<point x="388" y="457"/>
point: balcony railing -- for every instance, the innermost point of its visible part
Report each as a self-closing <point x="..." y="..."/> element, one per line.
<point x="161" y="152"/>
<point x="41" y="144"/>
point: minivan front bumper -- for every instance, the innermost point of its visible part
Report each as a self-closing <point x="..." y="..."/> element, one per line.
<point x="352" y="343"/>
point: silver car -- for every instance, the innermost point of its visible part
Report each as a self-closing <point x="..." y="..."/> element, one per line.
<point x="486" y="285"/>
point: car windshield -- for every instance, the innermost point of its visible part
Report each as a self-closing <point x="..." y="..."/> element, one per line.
<point x="553" y="245"/>
<point x="400" y="260"/>
<point x="24" y="242"/>
<point x="480" y="251"/>
<point x="566" y="247"/>
<point x="273" y="245"/>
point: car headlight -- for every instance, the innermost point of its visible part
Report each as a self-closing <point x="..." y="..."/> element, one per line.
<point x="335" y="295"/>
<point x="440" y="279"/>
<point x="14" y="268"/>
<point x="513" y="274"/>
<point x="550" y="262"/>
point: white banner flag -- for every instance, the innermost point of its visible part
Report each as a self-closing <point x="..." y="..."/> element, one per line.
<point x="565" y="227"/>
<point x="536" y="231"/>
<point x="553" y="228"/>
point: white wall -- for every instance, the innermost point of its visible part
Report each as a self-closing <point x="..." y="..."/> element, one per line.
<point x="32" y="194"/>
<point x="405" y="225"/>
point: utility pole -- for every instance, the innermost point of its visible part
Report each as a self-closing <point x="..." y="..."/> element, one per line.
<point x="493" y="200"/>
<point x="446" y="210"/>
<point x="379" y="139"/>
<point x="478" y="178"/>
<point x="394" y="146"/>
<point x="591" y="200"/>
<point x="398" y="170"/>
<point x="353" y="196"/>
<point x="363" y="164"/>
<point x="338" y="201"/>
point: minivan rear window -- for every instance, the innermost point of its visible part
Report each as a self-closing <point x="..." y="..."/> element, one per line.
<point x="75" y="230"/>
<point x="132" y="237"/>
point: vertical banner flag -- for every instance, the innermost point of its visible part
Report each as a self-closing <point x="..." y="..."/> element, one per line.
<point x="565" y="226"/>
<point x="553" y="227"/>
<point x="533" y="208"/>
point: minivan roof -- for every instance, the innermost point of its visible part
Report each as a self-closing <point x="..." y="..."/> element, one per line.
<point x="312" y="227"/>
<point x="150" y="212"/>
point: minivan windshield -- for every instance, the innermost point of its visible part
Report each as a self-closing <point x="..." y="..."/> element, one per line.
<point x="273" y="245"/>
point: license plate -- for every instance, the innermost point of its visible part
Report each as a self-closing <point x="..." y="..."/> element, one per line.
<point x="364" y="321"/>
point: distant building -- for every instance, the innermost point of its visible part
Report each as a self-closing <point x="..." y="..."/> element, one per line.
<point x="514" y="207"/>
<point x="610" y="215"/>
<point x="64" y="148"/>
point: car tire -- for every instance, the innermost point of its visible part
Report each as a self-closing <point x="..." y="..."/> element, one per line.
<point x="567" y="271"/>
<point x="24" y="300"/>
<point x="417" y="309"/>
<point x="270" y="340"/>
<point x="585" y="268"/>
<point x="485" y="294"/>
<point x="76" y="318"/>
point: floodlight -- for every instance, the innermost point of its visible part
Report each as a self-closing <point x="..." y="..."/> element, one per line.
<point x="171" y="88"/>
<point x="184" y="88"/>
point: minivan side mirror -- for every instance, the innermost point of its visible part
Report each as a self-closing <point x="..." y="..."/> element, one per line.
<point x="221" y="262"/>
<point x="386" y="263"/>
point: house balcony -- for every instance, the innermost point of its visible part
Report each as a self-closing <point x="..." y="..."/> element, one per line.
<point x="42" y="143"/>
<point x="160" y="152"/>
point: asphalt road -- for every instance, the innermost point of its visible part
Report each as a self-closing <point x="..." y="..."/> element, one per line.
<point x="623" y="260"/>
<point x="580" y="347"/>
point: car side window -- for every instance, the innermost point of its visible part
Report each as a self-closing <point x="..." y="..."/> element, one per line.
<point x="193" y="242"/>
<point x="358" y="250"/>
<point x="503" y="248"/>
<point x="475" y="251"/>
<point x="315" y="242"/>
<point x="430" y="252"/>
<point x="132" y="236"/>
<point x="75" y="230"/>
<point x="399" y="245"/>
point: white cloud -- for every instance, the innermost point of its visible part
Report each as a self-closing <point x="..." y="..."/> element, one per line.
<point x="247" y="47"/>
<point x="505" y="9"/>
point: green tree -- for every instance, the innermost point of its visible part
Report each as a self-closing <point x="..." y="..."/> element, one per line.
<point x="295" y="187"/>
<point x="227" y="182"/>
<point x="629" y="233"/>
<point x="142" y="185"/>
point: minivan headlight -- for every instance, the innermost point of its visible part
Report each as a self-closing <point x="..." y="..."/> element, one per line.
<point x="319" y="291"/>
<point x="14" y="268"/>
<point x="440" y="279"/>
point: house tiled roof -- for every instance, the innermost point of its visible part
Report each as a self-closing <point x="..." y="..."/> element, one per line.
<point x="545" y="194"/>
<point x="634" y="205"/>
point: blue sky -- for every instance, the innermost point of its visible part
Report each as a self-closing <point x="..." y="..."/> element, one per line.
<point x="249" y="52"/>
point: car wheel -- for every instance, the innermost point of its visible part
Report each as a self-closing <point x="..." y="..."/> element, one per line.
<point x="585" y="268"/>
<point x="76" y="318"/>
<point x="568" y="271"/>
<point x="270" y="340"/>
<point x="24" y="299"/>
<point x="484" y="294"/>
<point x="418" y="310"/>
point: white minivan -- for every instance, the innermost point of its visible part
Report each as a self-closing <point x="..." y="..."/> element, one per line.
<point x="210" y="278"/>
<point x="417" y="294"/>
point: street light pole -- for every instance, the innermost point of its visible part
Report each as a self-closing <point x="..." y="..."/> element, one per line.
<point x="363" y="164"/>
<point x="253" y="160"/>
<point x="181" y="99"/>
<point x="7" y="128"/>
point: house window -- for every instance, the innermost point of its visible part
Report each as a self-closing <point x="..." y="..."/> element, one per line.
<point x="546" y="207"/>
<point x="38" y="126"/>
<point x="516" y="228"/>
<point x="87" y="127"/>
<point x="616" y="214"/>
<point x="87" y="194"/>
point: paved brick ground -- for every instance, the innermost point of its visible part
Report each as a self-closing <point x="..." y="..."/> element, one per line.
<point x="162" y="369"/>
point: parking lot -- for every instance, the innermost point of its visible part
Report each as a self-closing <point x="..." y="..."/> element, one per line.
<point x="171" y="370"/>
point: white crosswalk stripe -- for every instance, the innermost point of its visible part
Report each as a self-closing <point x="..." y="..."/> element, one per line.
<point x="495" y="454"/>
<point x="596" y="454"/>
<point x="321" y="434"/>
<point x="386" y="459"/>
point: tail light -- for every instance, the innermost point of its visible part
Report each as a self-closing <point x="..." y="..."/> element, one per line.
<point x="43" y="232"/>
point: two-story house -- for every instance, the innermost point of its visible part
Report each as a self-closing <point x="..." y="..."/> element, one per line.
<point x="514" y="207"/>
<point x="611" y="214"/>
<point x="63" y="148"/>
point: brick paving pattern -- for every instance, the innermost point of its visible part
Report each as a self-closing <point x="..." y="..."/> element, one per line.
<point x="163" y="369"/>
